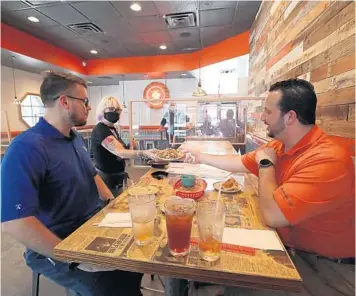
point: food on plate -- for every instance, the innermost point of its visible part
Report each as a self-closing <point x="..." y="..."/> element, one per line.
<point x="169" y="153"/>
<point x="230" y="185"/>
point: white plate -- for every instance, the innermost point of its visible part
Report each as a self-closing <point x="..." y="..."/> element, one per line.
<point x="171" y="159"/>
<point x="217" y="187"/>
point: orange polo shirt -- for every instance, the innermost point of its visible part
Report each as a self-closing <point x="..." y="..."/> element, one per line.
<point x="316" y="193"/>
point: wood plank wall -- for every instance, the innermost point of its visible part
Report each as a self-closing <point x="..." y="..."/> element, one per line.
<point x="314" y="41"/>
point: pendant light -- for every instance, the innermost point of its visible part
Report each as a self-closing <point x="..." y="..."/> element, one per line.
<point x="123" y="92"/>
<point x="16" y="101"/>
<point x="199" y="92"/>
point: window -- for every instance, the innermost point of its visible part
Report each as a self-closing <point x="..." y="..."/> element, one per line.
<point x="31" y="109"/>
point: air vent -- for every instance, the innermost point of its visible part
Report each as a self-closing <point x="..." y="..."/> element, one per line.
<point x="181" y="20"/>
<point x="86" y="28"/>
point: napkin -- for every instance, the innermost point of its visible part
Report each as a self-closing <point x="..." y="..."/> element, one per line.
<point x="258" y="239"/>
<point x="116" y="220"/>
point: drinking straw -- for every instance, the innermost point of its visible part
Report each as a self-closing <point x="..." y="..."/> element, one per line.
<point x="219" y="194"/>
<point x="218" y="200"/>
<point x="132" y="184"/>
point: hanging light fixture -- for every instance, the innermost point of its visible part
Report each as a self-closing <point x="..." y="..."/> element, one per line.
<point x="199" y="92"/>
<point x="16" y="101"/>
<point x="123" y="92"/>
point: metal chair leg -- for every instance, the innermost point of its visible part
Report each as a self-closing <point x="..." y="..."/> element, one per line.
<point x="35" y="283"/>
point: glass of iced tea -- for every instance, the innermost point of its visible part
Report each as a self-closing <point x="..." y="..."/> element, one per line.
<point x="143" y="213"/>
<point x="211" y="223"/>
<point x="179" y="217"/>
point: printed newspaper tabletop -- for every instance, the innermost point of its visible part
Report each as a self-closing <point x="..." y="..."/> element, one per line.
<point x="238" y="266"/>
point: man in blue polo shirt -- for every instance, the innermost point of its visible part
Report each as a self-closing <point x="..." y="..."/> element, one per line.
<point x="50" y="188"/>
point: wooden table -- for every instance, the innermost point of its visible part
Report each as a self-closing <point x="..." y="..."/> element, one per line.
<point x="115" y="247"/>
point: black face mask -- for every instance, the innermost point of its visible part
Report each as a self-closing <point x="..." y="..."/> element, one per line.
<point x="112" y="117"/>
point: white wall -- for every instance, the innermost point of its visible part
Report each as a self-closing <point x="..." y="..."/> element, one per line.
<point x="178" y="88"/>
<point x="230" y="83"/>
<point x="25" y="82"/>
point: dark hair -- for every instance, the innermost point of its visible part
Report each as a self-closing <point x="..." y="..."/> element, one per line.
<point x="56" y="83"/>
<point x="230" y="113"/>
<point x="297" y="95"/>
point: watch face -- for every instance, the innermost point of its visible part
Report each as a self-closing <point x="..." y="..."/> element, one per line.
<point x="265" y="162"/>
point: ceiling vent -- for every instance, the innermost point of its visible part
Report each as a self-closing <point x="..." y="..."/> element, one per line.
<point x="86" y="28"/>
<point x="181" y="20"/>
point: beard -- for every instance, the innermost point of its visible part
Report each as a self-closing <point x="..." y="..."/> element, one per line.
<point x="75" y="120"/>
<point x="276" y="129"/>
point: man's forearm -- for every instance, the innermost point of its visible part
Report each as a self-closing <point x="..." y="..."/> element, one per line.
<point x="230" y="163"/>
<point x="104" y="191"/>
<point x="33" y="234"/>
<point x="270" y="211"/>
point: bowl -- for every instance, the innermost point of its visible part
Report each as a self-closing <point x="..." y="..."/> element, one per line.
<point x="188" y="180"/>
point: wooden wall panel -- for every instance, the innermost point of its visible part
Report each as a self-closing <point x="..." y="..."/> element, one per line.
<point x="351" y="115"/>
<point x="311" y="40"/>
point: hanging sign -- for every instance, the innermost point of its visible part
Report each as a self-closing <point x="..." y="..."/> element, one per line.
<point x="157" y="91"/>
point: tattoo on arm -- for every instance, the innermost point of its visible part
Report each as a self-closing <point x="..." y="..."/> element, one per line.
<point x="109" y="143"/>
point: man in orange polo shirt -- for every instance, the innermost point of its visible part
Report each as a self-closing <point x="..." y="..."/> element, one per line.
<point x="306" y="188"/>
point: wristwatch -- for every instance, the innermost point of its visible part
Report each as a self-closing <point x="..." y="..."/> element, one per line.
<point x="265" y="163"/>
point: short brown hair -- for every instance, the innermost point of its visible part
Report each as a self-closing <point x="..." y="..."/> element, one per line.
<point x="56" y="83"/>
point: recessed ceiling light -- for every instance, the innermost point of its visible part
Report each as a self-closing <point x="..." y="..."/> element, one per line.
<point x="163" y="47"/>
<point x="183" y="74"/>
<point x="33" y="19"/>
<point x="135" y="7"/>
<point x="93" y="51"/>
<point x="89" y="82"/>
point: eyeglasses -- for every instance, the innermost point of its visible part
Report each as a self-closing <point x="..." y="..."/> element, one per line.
<point x="85" y="100"/>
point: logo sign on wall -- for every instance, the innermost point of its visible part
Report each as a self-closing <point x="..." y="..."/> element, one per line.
<point x="157" y="91"/>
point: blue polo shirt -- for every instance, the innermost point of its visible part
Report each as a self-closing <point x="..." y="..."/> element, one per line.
<point x="49" y="176"/>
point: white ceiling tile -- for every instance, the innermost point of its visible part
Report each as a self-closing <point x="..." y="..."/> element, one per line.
<point x="22" y="15"/>
<point x="13" y="5"/>
<point x="148" y="24"/>
<point x="64" y="14"/>
<point x="156" y="37"/>
<point x="168" y="7"/>
<point x="204" y="5"/>
<point x="91" y="8"/>
<point x="216" y="17"/>
<point x="148" y="8"/>
<point x="60" y="32"/>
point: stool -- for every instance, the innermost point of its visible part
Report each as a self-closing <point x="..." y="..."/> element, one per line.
<point x="36" y="285"/>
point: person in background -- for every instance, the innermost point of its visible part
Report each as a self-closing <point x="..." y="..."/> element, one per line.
<point x="206" y="128"/>
<point x="241" y="136"/>
<point x="109" y="151"/>
<point x="306" y="189"/>
<point x="50" y="188"/>
<point x="169" y="117"/>
<point x="164" y="143"/>
<point x="228" y="125"/>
